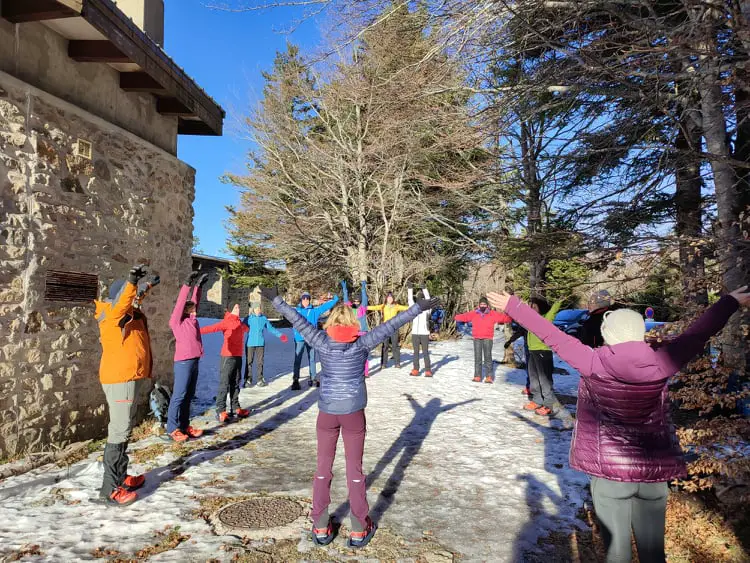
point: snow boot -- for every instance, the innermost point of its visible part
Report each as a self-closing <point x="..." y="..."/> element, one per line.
<point x="262" y="383"/>
<point x="295" y="385"/>
<point x="121" y="497"/>
<point x="361" y="539"/>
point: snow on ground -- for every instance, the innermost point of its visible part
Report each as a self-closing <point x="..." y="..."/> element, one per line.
<point x="459" y="460"/>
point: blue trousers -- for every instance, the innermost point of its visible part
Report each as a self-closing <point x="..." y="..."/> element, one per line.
<point x="185" y="379"/>
<point x="299" y="351"/>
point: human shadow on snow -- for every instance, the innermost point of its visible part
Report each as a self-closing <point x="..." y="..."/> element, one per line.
<point x="157" y="476"/>
<point x="407" y="445"/>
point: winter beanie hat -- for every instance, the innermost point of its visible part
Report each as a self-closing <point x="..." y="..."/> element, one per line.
<point x="305" y="295"/>
<point x="600" y="300"/>
<point x="623" y="325"/>
<point x="483" y="300"/>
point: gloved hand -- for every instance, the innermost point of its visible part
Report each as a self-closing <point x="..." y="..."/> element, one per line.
<point x="202" y="280"/>
<point x="427" y="304"/>
<point x="153" y="281"/>
<point x="136" y="273"/>
<point x="506" y="345"/>
<point x="192" y="277"/>
<point x="269" y="293"/>
<point x="284" y="338"/>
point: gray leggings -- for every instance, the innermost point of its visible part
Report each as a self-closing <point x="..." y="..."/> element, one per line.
<point x="621" y="507"/>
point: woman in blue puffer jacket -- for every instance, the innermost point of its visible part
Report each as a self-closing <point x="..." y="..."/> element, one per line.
<point x="342" y="402"/>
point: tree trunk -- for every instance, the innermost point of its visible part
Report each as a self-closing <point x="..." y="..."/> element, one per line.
<point x="688" y="202"/>
<point x="531" y="182"/>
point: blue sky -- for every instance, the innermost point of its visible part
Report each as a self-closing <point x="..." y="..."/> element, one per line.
<point x="225" y="53"/>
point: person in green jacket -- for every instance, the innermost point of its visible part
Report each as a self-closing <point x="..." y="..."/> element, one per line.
<point x="540" y="365"/>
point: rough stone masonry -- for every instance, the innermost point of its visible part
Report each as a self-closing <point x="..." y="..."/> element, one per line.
<point x="130" y="202"/>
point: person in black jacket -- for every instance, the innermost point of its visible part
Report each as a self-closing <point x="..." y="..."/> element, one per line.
<point x="591" y="329"/>
<point x="343" y="397"/>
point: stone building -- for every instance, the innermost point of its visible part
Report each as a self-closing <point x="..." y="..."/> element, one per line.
<point x="90" y="111"/>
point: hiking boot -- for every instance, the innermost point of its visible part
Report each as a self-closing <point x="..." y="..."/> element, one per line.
<point x="323" y="536"/>
<point x="428" y="373"/>
<point x="133" y="482"/>
<point x="178" y="435"/>
<point x="398" y="366"/>
<point x="121" y="497"/>
<point x="262" y="383"/>
<point x="525" y="391"/>
<point x="543" y="411"/>
<point x="361" y="539"/>
<point x="414" y="372"/>
<point x="295" y="386"/>
<point x="488" y="379"/>
<point x="194" y="432"/>
<point x="243" y="413"/>
<point x="248" y="384"/>
<point x="317" y="383"/>
<point x="311" y="382"/>
<point x="531" y="406"/>
<point x="477" y="379"/>
<point x="223" y="417"/>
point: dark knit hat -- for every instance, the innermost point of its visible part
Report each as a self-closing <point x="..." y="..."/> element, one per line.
<point x="305" y="295"/>
<point x="483" y="299"/>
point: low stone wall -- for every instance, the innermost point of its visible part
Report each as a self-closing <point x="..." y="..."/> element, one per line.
<point x="130" y="203"/>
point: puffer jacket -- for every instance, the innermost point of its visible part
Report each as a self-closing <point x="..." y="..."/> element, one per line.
<point x="623" y="431"/>
<point x="186" y="330"/>
<point x="342" y="385"/>
<point x="421" y="325"/>
<point x="234" y="334"/>
<point x="123" y="333"/>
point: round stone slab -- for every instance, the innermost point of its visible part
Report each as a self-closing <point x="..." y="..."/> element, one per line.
<point x="262" y="517"/>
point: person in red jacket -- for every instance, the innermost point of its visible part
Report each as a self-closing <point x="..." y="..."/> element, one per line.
<point x="231" y="364"/>
<point x="483" y="321"/>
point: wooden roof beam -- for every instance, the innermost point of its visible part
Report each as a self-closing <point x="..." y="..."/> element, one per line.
<point x="173" y="107"/>
<point x="95" y="52"/>
<point x="23" y="11"/>
<point x="193" y="127"/>
<point x="140" y="82"/>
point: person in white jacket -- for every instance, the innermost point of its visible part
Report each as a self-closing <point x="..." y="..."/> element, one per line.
<point x="420" y="335"/>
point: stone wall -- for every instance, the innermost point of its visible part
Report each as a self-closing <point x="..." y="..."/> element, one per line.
<point x="131" y="203"/>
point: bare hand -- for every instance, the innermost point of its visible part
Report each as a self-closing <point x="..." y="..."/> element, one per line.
<point x="742" y="296"/>
<point x="498" y="300"/>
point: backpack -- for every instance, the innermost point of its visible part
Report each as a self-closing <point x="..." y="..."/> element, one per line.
<point x="159" y="401"/>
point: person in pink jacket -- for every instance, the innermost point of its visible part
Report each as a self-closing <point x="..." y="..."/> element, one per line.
<point x="188" y="352"/>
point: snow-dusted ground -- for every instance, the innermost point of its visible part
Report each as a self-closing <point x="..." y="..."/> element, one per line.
<point x="458" y="459"/>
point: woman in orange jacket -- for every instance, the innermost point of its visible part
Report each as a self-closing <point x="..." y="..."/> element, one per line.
<point x="125" y="366"/>
<point x="231" y="364"/>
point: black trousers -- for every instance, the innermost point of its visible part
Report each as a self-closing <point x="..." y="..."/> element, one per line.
<point x="229" y="383"/>
<point x="482" y="356"/>
<point x="540" y="377"/>
<point x="423" y="341"/>
<point x="393" y="343"/>
<point x="254" y="355"/>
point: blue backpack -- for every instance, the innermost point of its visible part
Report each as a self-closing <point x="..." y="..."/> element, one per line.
<point x="159" y="401"/>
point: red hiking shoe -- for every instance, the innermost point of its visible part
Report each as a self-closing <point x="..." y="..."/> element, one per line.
<point x="428" y="373"/>
<point x="525" y="391"/>
<point x="531" y="406"/>
<point x="194" y="432"/>
<point x="122" y="497"/>
<point x="223" y="417"/>
<point x="543" y="411"/>
<point x="133" y="482"/>
<point x="178" y="435"/>
<point x="243" y="413"/>
<point x="488" y="379"/>
<point x="414" y="373"/>
<point x="477" y="379"/>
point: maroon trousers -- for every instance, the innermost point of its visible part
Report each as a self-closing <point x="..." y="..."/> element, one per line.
<point x="353" y="429"/>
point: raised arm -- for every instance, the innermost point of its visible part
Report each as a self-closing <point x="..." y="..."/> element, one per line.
<point x="345" y="291"/>
<point x="570" y="349"/>
<point x="386" y="329"/>
<point x="327" y="306"/>
<point x="125" y="302"/>
<point x="552" y="313"/>
<point x="691" y="342"/>
<point x="363" y="294"/>
<point x="179" y="307"/>
<point x="410" y="296"/>
<point x="197" y="294"/>
<point x="312" y="335"/>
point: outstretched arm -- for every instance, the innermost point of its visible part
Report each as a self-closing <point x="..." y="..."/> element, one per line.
<point x="345" y="291"/>
<point x="464" y="317"/>
<point x="691" y="342"/>
<point x="378" y="308"/>
<point x="216" y="327"/>
<point x="363" y="294"/>
<point x="386" y="329"/>
<point x="179" y="307"/>
<point x="312" y="335"/>
<point x="328" y="305"/>
<point x="273" y="330"/>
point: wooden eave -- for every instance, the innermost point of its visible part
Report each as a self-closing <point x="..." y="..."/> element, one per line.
<point x="125" y="43"/>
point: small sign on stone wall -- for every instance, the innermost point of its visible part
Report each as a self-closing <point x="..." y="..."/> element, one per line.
<point x="74" y="287"/>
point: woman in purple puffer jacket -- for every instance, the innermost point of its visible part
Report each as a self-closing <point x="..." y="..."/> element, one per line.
<point x="623" y="436"/>
<point x="187" y="354"/>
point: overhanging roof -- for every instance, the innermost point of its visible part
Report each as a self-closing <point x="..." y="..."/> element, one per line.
<point x="99" y="32"/>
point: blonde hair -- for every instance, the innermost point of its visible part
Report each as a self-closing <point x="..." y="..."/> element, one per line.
<point x="341" y="315"/>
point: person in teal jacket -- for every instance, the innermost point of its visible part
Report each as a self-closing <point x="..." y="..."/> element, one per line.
<point x="255" y="343"/>
<point x="312" y="315"/>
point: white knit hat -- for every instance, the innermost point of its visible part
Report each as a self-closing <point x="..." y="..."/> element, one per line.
<point x="623" y="325"/>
